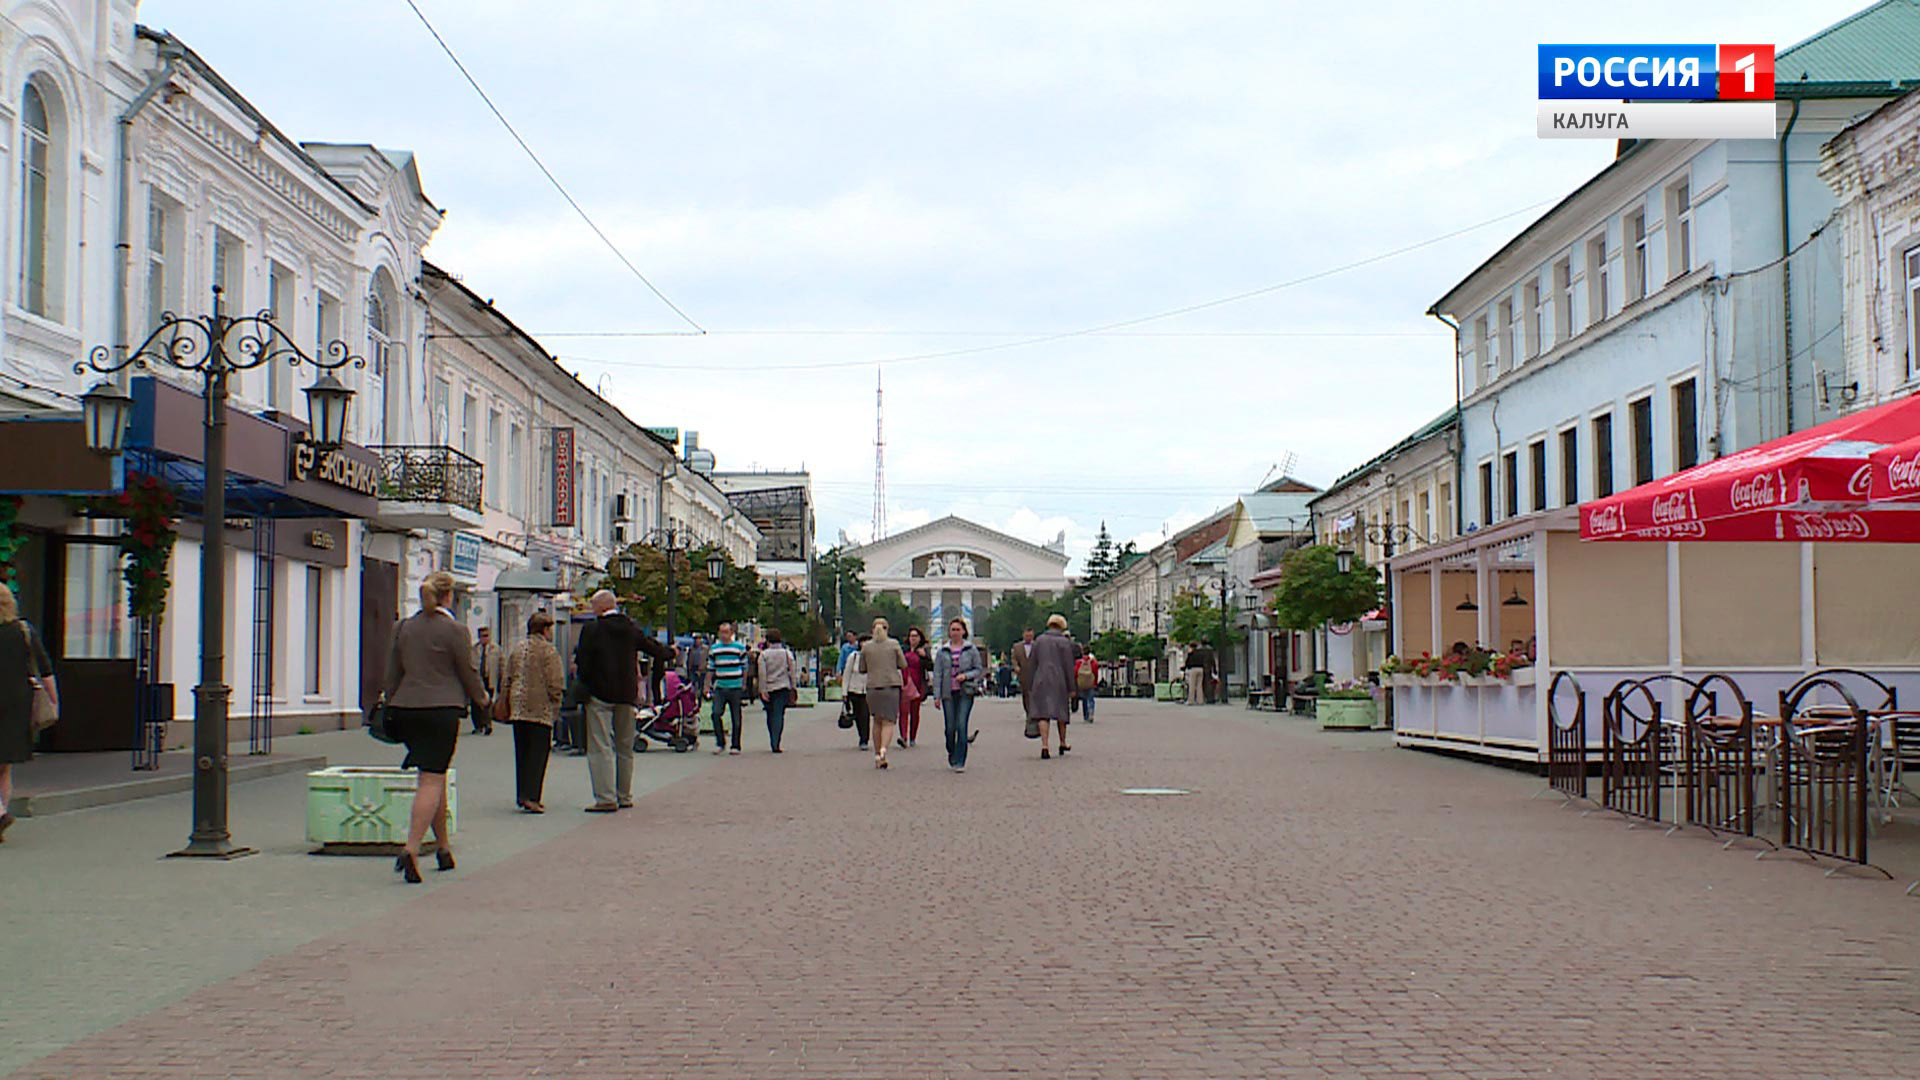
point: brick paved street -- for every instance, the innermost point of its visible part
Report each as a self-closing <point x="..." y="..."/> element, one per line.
<point x="1321" y="905"/>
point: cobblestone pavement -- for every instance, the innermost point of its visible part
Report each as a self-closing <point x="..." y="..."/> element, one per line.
<point x="1320" y="905"/>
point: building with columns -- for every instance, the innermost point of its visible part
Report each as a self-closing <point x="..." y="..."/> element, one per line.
<point x="954" y="567"/>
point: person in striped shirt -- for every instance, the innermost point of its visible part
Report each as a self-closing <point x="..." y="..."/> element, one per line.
<point x="727" y="681"/>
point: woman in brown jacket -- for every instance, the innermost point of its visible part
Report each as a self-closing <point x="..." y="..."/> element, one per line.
<point x="430" y="680"/>
<point x="885" y="667"/>
<point x="533" y="684"/>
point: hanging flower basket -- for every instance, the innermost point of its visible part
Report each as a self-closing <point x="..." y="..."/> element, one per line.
<point x="151" y="512"/>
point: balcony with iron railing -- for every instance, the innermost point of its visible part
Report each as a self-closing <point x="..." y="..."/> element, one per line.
<point x="430" y="487"/>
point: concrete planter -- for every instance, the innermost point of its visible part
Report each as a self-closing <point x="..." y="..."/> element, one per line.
<point x="832" y="693"/>
<point x="363" y="809"/>
<point x="1169" y="691"/>
<point x="1342" y="713"/>
<point x="806" y="696"/>
<point x="1524" y="676"/>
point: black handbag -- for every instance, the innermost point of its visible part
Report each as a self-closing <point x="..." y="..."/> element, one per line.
<point x="846" y="713"/>
<point x="376" y="722"/>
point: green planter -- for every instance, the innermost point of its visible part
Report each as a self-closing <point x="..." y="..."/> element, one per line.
<point x="806" y="696"/>
<point x="832" y="693"/>
<point x="1346" y="713"/>
<point x="1169" y="691"/>
<point x="363" y="809"/>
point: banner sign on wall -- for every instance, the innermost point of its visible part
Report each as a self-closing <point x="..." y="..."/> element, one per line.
<point x="563" y="495"/>
<point x="464" y="558"/>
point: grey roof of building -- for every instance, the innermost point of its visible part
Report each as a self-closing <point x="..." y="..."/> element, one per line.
<point x="1426" y="431"/>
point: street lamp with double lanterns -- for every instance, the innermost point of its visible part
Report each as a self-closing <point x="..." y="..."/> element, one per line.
<point x="673" y="540"/>
<point x="214" y="346"/>
<point x="1389" y="535"/>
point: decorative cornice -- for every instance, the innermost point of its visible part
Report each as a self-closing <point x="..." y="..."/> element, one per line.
<point x="246" y="154"/>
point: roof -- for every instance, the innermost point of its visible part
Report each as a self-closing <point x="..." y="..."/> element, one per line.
<point x="1426" y="431"/>
<point x="1215" y="552"/>
<point x="1012" y="541"/>
<point x="1287" y="485"/>
<point x="1270" y="510"/>
<point x="1874" y="51"/>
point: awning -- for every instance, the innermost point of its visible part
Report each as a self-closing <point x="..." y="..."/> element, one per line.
<point x="1818" y="484"/>
<point x="527" y="579"/>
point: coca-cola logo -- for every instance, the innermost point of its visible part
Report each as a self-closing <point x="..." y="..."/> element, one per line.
<point x="1685" y="530"/>
<point x="1830" y="527"/>
<point x="1755" y="493"/>
<point x="1668" y="509"/>
<point x="1904" y="474"/>
<point x="1606" y="519"/>
<point x="1861" y="481"/>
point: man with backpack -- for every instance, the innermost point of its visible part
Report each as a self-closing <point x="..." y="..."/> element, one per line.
<point x="1086" y="682"/>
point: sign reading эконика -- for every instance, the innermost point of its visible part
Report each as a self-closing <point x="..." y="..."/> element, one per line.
<point x="332" y="467"/>
<point x="1656" y="92"/>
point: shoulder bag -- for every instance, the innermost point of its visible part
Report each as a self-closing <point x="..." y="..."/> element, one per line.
<point x="376" y="721"/>
<point x="44" y="713"/>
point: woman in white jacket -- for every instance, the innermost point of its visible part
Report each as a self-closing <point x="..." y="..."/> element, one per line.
<point x="853" y="679"/>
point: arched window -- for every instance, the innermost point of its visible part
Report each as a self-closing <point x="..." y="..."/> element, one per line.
<point x="382" y="314"/>
<point x="37" y="189"/>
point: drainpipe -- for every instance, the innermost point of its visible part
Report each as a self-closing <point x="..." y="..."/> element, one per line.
<point x="1786" y="271"/>
<point x="170" y="54"/>
<point x="1459" y="432"/>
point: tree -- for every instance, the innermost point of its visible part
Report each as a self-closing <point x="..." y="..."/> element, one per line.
<point x="1103" y="561"/>
<point x="1196" y="621"/>
<point x="644" y="596"/>
<point x="739" y="598"/>
<point x="891" y="608"/>
<point x="1015" y="613"/>
<point x="787" y="612"/>
<point x="1314" y="592"/>
<point x="839" y="585"/>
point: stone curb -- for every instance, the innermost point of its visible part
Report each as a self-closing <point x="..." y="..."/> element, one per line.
<point x="60" y="802"/>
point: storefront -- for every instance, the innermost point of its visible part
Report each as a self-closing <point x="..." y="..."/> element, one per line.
<point x="291" y="645"/>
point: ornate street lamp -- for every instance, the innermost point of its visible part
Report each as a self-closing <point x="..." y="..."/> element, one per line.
<point x="626" y="566"/>
<point x="716" y="566"/>
<point x="1343" y="559"/>
<point x="672" y="540"/>
<point x="215" y="347"/>
<point x="106" y="410"/>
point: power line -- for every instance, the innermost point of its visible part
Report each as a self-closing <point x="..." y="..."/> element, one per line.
<point x="1089" y="331"/>
<point x="546" y="172"/>
<point x="855" y="332"/>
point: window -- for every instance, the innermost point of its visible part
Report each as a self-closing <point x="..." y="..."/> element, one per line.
<point x="1603" y="456"/>
<point x="1640" y="423"/>
<point x="1679" y="229"/>
<point x="1482" y="361"/>
<point x="442" y="434"/>
<point x="1686" y="426"/>
<point x="377" y="332"/>
<point x="1536" y="318"/>
<point x="227" y="253"/>
<point x="280" y="307"/>
<point x="1445" y="524"/>
<point x="1913" y="313"/>
<point x="1598" y="302"/>
<point x="326" y="321"/>
<point x="166" y="236"/>
<point x="95" y="625"/>
<point x="1486" y="493"/>
<point x="316" y="628"/>
<point x="494" y="456"/>
<point x="516" y="474"/>
<point x="1570" y="466"/>
<point x="39" y="205"/>
<point x="1562" y="300"/>
<point x="469" y="423"/>
<point x="1510" y="465"/>
<point x="1537" y="473"/>
<point x="1426" y="515"/>
<point x="1506" y="359"/>
<point x="1637" y="262"/>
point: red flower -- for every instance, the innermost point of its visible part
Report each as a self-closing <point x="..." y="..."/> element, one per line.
<point x="125" y="499"/>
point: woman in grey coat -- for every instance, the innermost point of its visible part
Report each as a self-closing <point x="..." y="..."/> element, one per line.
<point x="958" y="674"/>
<point x="1050" y="667"/>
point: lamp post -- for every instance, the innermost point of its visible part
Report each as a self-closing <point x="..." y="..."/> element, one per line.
<point x="672" y="541"/>
<point x="1387" y="534"/>
<point x="215" y="346"/>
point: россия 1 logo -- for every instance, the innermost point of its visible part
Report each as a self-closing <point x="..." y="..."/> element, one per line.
<point x="1656" y="91"/>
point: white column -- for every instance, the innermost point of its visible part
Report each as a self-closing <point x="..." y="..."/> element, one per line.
<point x="966" y="608"/>
<point x="906" y="597"/>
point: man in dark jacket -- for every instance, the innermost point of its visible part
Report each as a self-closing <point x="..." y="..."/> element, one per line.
<point x="608" y="661"/>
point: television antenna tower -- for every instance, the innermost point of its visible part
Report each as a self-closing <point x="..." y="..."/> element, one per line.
<point x="879" y="458"/>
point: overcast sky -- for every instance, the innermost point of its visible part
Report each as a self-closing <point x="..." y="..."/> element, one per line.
<point x="830" y="187"/>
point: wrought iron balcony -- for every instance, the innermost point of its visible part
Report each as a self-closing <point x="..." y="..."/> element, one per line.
<point x="423" y="476"/>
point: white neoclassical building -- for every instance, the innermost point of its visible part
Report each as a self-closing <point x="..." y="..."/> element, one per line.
<point x="954" y="567"/>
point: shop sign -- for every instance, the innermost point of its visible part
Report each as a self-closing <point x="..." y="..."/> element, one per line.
<point x="465" y="559"/>
<point x="332" y="467"/>
<point x="563" y="471"/>
<point x="320" y="539"/>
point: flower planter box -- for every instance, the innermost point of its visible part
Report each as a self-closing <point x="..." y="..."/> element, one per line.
<point x="806" y="696"/>
<point x="1524" y="676"/>
<point x="1403" y="679"/>
<point x="363" y="809"/>
<point x="1169" y="691"/>
<point x="831" y="693"/>
<point x="1346" y="713"/>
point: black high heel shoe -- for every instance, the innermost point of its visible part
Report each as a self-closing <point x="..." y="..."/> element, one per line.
<point x="408" y="868"/>
<point x="442" y="860"/>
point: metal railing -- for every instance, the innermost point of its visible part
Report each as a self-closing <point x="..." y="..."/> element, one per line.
<point x="1825" y="767"/>
<point x="1720" y="763"/>
<point x="430" y="474"/>
<point x="1567" y="739"/>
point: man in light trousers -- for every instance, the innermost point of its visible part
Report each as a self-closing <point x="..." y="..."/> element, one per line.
<point x="608" y="661"/>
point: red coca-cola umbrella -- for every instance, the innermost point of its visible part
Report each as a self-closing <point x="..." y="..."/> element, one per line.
<point x="1843" y="480"/>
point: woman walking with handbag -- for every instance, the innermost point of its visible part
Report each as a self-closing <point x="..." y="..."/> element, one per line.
<point x="854" y="679"/>
<point x="532" y="685"/>
<point x="29" y="697"/>
<point x="913" y="685"/>
<point x="885" y="667"/>
<point x="430" y="680"/>
<point x="773" y="675"/>
<point x="958" y="675"/>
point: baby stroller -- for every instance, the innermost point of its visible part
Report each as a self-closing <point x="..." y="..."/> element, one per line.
<point x="674" y="722"/>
